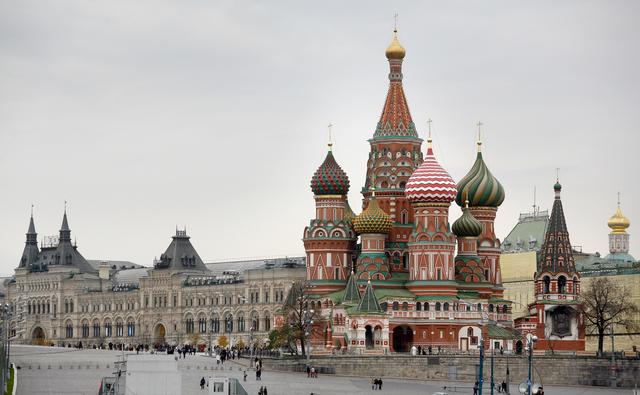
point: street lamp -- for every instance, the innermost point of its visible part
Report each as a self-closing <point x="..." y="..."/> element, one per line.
<point x="531" y="340"/>
<point x="481" y="367"/>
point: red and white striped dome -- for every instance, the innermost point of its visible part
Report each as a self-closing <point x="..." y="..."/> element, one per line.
<point x="430" y="183"/>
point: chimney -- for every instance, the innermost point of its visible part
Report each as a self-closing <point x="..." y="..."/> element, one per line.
<point x="103" y="271"/>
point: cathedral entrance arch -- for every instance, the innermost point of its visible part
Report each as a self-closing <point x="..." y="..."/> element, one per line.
<point x="368" y="337"/>
<point x="402" y="338"/>
<point x="159" y="333"/>
<point x="38" y="336"/>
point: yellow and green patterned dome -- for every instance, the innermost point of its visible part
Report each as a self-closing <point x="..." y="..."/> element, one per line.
<point x="372" y="220"/>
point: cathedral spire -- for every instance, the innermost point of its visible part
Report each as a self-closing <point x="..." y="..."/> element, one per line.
<point x="65" y="232"/>
<point x="556" y="254"/>
<point x="31" y="251"/>
<point x="395" y="120"/>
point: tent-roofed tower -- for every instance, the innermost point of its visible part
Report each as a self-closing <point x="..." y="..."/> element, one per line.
<point x="395" y="154"/>
<point x="31" y="252"/>
<point x="558" y="322"/>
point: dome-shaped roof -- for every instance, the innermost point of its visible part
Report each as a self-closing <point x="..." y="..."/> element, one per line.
<point x="618" y="222"/>
<point x="430" y="183"/>
<point x="330" y="179"/>
<point x="467" y="225"/>
<point x="481" y="188"/>
<point x="395" y="50"/>
<point x="372" y="220"/>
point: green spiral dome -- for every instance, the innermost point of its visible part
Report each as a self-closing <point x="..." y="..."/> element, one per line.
<point x="372" y="220"/>
<point x="467" y="225"/>
<point x="481" y="188"/>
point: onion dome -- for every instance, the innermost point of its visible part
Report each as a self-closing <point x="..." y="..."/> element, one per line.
<point x="430" y="183"/>
<point x="483" y="189"/>
<point x="467" y="225"/>
<point x="330" y="179"/>
<point x="618" y="222"/>
<point x="557" y="186"/>
<point x="395" y="50"/>
<point x="373" y="219"/>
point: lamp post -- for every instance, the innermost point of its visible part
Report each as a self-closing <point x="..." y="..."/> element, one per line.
<point x="531" y="340"/>
<point x="613" y="360"/>
<point x="492" y="349"/>
<point x="481" y="367"/>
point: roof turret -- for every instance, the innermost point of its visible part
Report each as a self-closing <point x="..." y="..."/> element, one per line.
<point x="482" y="188"/>
<point x="467" y="225"/>
<point x="430" y="183"/>
<point x="369" y="302"/>
<point x="351" y="292"/>
<point x="618" y="222"/>
<point x="373" y="219"/>
<point x="330" y="179"/>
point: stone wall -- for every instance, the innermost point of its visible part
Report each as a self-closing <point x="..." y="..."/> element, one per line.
<point x="565" y="370"/>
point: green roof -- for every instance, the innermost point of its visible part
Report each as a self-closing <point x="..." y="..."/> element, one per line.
<point x="369" y="302"/>
<point x="499" y="332"/>
<point x="530" y="228"/>
<point x="468" y="295"/>
<point x="351" y="292"/>
<point x="434" y="297"/>
<point x="393" y="293"/>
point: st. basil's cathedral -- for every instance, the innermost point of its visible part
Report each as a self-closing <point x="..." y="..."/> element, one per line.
<point x="403" y="285"/>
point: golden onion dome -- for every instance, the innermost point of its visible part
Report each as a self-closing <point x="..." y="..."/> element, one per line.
<point x="618" y="222"/>
<point x="372" y="220"/>
<point x="395" y="50"/>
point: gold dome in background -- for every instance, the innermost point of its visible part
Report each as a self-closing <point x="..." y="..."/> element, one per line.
<point x="395" y="50"/>
<point x="618" y="223"/>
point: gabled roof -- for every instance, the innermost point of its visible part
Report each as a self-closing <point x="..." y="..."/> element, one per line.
<point x="528" y="234"/>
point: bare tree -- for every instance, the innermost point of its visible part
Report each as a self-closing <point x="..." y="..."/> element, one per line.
<point x="299" y="313"/>
<point x="606" y="305"/>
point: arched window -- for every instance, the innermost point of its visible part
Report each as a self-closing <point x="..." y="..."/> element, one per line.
<point x="547" y="284"/>
<point x="96" y="329"/>
<point x="469" y="332"/>
<point x="490" y="308"/>
<point x="437" y="306"/>
<point x="395" y="306"/>
<point x="562" y="284"/>
<point x="575" y="285"/>
<point x="445" y="307"/>
<point x="479" y="307"/>
<point x="69" y="330"/>
<point x="418" y="306"/>
<point x="267" y="323"/>
<point x="405" y="306"/>
<point x="107" y="329"/>
<point x="255" y="322"/>
<point x="241" y="323"/>
<point x="404" y="215"/>
<point x="215" y="324"/>
<point x="131" y="328"/>
<point x="228" y="323"/>
<point x="505" y="308"/>
<point x="202" y="325"/>
<point x="383" y="306"/>
<point x="426" y="306"/>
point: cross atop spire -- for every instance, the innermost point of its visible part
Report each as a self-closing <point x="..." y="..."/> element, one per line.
<point x="429" y="139"/>
<point x="395" y="23"/>
<point x="618" y="199"/>
<point x="330" y="142"/>
<point x="479" y="142"/>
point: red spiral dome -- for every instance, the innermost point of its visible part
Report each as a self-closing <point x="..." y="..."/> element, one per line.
<point x="430" y="183"/>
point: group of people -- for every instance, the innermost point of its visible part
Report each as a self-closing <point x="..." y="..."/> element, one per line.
<point x="262" y="390"/>
<point x="376" y="384"/>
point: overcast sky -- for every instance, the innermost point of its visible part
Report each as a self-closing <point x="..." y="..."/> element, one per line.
<point x="148" y="115"/>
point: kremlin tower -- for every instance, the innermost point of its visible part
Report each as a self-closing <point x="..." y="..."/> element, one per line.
<point x="403" y="284"/>
<point x="619" y="238"/>
<point x="555" y="315"/>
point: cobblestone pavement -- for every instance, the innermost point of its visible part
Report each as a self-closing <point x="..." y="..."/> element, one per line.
<point x="52" y="370"/>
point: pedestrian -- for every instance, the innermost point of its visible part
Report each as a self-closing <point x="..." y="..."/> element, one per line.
<point x="261" y="391"/>
<point x="475" y="388"/>
<point x="430" y="350"/>
<point x="308" y="371"/>
<point x="313" y="372"/>
<point x="504" y="386"/>
<point x="374" y="383"/>
<point x="202" y="383"/>
<point x="540" y="391"/>
<point x="380" y="383"/>
<point x="245" y="375"/>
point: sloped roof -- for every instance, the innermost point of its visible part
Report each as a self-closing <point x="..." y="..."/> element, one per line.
<point x="369" y="302"/>
<point x="180" y="255"/>
<point x="351" y="293"/>
<point x="528" y="234"/>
